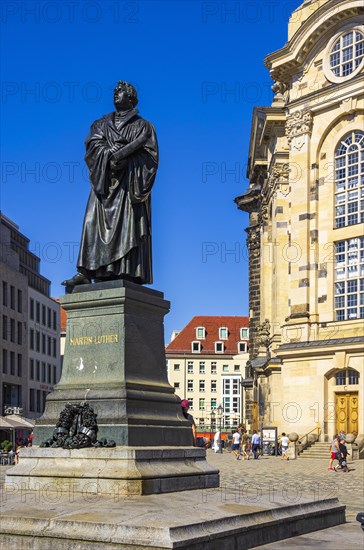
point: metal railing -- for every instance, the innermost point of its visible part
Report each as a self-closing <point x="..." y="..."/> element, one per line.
<point x="305" y="441"/>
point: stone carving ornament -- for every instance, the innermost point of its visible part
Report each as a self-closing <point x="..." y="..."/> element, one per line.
<point x="298" y="124"/>
<point x="263" y="334"/>
<point x="253" y="242"/>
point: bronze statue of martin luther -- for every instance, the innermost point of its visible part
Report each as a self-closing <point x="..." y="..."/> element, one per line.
<point x="122" y="158"/>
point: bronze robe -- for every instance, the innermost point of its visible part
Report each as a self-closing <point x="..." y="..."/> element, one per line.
<point x="116" y="234"/>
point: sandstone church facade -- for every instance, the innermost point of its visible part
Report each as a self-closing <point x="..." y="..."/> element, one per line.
<point x="305" y="236"/>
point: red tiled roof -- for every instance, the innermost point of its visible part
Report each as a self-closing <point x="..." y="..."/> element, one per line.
<point x="182" y="342"/>
<point x="63" y="319"/>
<point x="62" y="315"/>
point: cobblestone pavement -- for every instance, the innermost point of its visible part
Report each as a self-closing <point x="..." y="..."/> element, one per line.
<point x="294" y="479"/>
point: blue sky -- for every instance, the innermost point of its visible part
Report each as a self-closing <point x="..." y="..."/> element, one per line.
<point x="198" y="68"/>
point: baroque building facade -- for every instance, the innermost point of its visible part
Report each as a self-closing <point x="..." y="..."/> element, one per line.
<point x="305" y="237"/>
<point x="206" y="364"/>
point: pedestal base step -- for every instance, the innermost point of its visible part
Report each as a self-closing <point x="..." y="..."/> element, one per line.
<point x="112" y="471"/>
<point x="195" y="520"/>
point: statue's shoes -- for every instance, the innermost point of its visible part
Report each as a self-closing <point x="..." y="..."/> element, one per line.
<point x="77" y="279"/>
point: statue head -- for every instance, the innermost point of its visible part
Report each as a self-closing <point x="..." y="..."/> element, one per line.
<point x="130" y="91"/>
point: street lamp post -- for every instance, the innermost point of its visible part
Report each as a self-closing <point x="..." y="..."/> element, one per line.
<point x="220" y="410"/>
<point x="212" y="421"/>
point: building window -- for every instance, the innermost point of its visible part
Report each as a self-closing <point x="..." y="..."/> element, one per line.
<point x="219" y="347"/>
<point x="54" y="320"/>
<point x="43" y="343"/>
<point x="242" y="347"/>
<point x="5" y="327"/>
<point x="176" y="366"/>
<point x="196" y="347"/>
<point x="190" y="400"/>
<point x="189" y="385"/>
<point x="213" y="367"/>
<point x="54" y="374"/>
<point x="31" y="399"/>
<point x="5" y="361"/>
<point x="200" y="333"/>
<point x="223" y="333"/>
<point x="202" y="386"/>
<point x="213" y="403"/>
<point x="37" y="312"/>
<point x="244" y="333"/>
<point x="12" y="363"/>
<point x="5" y="294"/>
<point x="345" y="54"/>
<point x="31" y="361"/>
<point x="49" y="374"/>
<point x="190" y="367"/>
<point x="349" y="279"/>
<point x="236" y="368"/>
<point x="12" y="330"/>
<point x="44" y="378"/>
<point x="31" y="309"/>
<point x="20" y="301"/>
<point x="31" y="339"/>
<point x="20" y="333"/>
<point x="201" y="421"/>
<point x="38" y="370"/>
<point x="44" y="317"/>
<point x="39" y="405"/>
<point x="49" y="317"/>
<point x="12" y="297"/>
<point x="201" y="404"/>
<point x="349" y="180"/>
<point x="54" y="347"/>
<point x="20" y="365"/>
<point x="49" y="346"/>
<point x="176" y="385"/>
<point x="213" y="386"/>
<point x="37" y="340"/>
<point x="347" y="376"/>
<point x="225" y="368"/>
<point x="202" y="367"/>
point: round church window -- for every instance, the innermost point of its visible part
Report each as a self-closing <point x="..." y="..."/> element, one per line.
<point x="345" y="55"/>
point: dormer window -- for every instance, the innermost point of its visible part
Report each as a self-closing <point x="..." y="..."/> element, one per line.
<point x="242" y="347"/>
<point x="244" y="333"/>
<point x="223" y="333"/>
<point x="195" y="347"/>
<point x="200" y="333"/>
<point x="219" y="347"/>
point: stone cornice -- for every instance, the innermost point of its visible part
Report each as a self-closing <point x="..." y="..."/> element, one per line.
<point x="286" y="61"/>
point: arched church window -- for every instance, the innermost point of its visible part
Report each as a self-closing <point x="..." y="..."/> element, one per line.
<point x="349" y="279"/>
<point x="349" y="180"/>
<point x="344" y="55"/>
<point x="346" y="377"/>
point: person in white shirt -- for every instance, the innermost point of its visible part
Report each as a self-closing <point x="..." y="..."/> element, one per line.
<point x="236" y="444"/>
<point x="284" y="442"/>
<point x="256" y="440"/>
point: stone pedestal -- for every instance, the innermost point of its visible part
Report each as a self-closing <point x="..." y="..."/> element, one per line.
<point x="119" y="471"/>
<point x="114" y="359"/>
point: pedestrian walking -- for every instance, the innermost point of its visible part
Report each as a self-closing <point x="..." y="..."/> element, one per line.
<point x="256" y="441"/>
<point x="335" y="450"/>
<point x="236" y="444"/>
<point x="283" y="443"/>
<point x="245" y="445"/>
